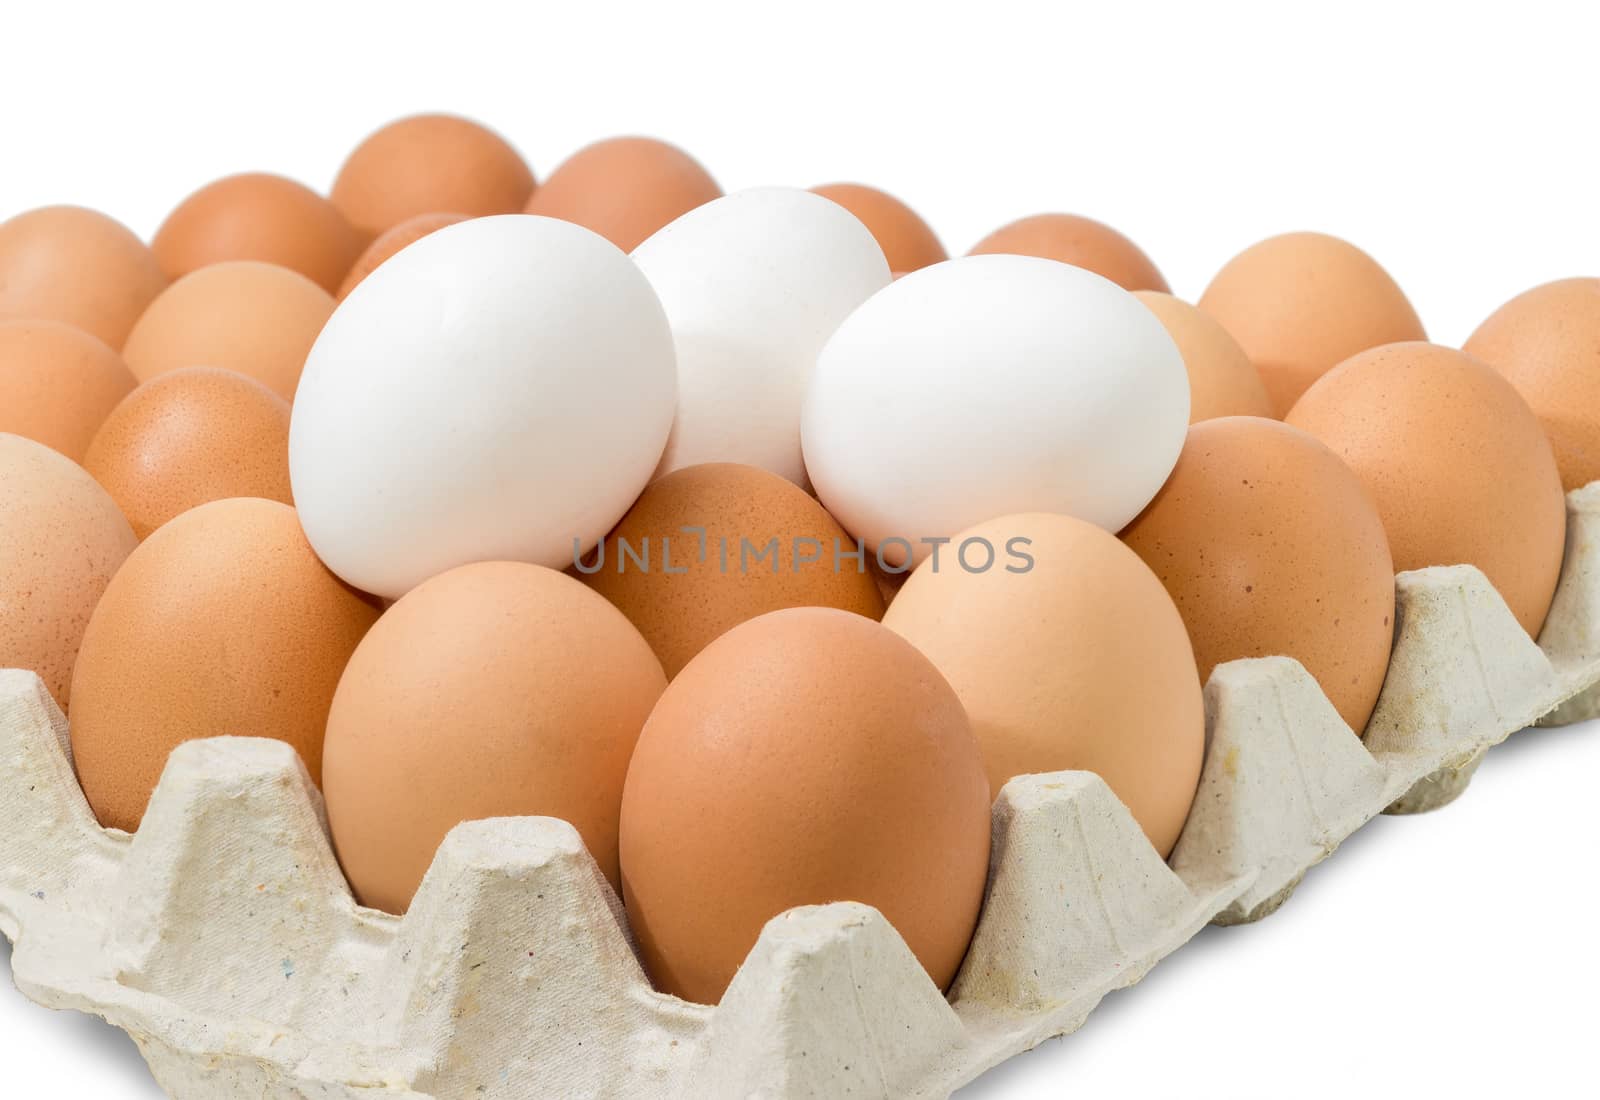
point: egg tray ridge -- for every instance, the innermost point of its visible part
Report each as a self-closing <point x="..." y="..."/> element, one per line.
<point x="223" y="938"/>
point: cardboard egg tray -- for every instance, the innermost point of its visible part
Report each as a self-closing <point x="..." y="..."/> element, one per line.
<point x="222" y="936"/>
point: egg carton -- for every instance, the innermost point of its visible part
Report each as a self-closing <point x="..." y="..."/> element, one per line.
<point x="223" y="938"/>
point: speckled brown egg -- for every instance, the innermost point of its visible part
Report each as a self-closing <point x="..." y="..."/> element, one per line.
<point x="189" y="437"/>
<point x="1271" y="546"/>
<point x="1301" y="303"/>
<point x="255" y="318"/>
<point x="426" y="163"/>
<point x="256" y="216"/>
<point x="500" y="689"/>
<point x="1068" y="654"/>
<point x="624" y="188"/>
<point x="1547" y="343"/>
<point x="1222" y="380"/>
<point x="806" y="756"/>
<point x="1081" y="242"/>
<point x="58" y="384"/>
<point x="407" y="232"/>
<point x="65" y="263"/>
<point x="767" y="544"/>
<point x="61" y="539"/>
<point x="223" y="622"/>
<point x="907" y="241"/>
<point x="1456" y="461"/>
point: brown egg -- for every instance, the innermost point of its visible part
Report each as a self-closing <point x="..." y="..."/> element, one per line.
<point x="1067" y="654"/>
<point x="61" y="539"/>
<point x="189" y="437"/>
<point x="255" y="318"/>
<point x="624" y="189"/>
<point x="407" y="232"/>
<point x="58" y="384"/>
<point x="502" y="690"/>
<point x="1081" y="242"/>
<point x="1301" y="303"/>
<point x="682" y="589"/>
<point x="427" y="163"/>
<point x="1222" y="380"/>
<point x="907" y="241"/>
<point x="256" y="216"/>
<point x="1457" y="463"/>
<point x="807" y="756"/>
<point x="65" y="263"/>
<point x="1547" y="342"/>
<point x="1270" y="546"/>
<point x="222" y="622"/>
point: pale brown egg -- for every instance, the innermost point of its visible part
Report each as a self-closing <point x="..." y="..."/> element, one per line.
<point x="907" y="241"/>
<point x="255" y="318"/>
<point x="1222" y="380"/>
<point x="61" y="539"/>
<point x="192" y="436"/>
<point x="806" y="756"/>
<point x="223" y="622"/>
<point x="58" y="384"/>
<point x="501" y="690"/>
<point x="256" y="216"/>
<point x="407" y="232"/>
<point x="1301" y="303"/>
<point x="1456" y="461"/>
<point x="624" y="189"/>
<point x="757" y="543"/>
<point x="1068" y="654"/>
<point x="65" y="263"/>
<point x="1081" y="242"/>
<point x="427" y="163"/>
<point x="1547" y="342"/>
<point x="1271" y="546"/>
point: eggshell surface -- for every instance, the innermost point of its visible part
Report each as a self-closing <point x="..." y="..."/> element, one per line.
<point x="501" y="690"/>
<point x="500" y="390"/>
<point x="1081" y="242"/>
<point x="987" y="386"/>
<point x="1456" y="461"/>
<point x="58" y="384"/>
<point x="624" y="189"/>
<point x="806" y="756"/>
<point x="907" y="241"/>
<point x="1222" y="380"/>
<point x="753" y="285"/>
<point x="407" y="232"/>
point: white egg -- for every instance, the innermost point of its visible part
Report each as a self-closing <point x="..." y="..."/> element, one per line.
<point x="753" y="284"/>
<point x="988" y="386"/>
<point x="496" y="391"/>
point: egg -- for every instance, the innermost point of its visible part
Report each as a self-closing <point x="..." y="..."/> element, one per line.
<point x="908" y="243"/>
<point x="707" y="547"/>
<point x="257" y="216"/>
<point x="1547" y="343"/>
<point x="223" y="622"/>
<point x="1456" y="461"/>
<point x="189" y="437"/>
<point x="806" y="756"/>
<point x="1222" y="380"/>
<point x="501" y="389"/>
<point x="65" y="263"/>
<point x="392" y="241"/>
<point x="255" y="318"/>
<point x="753" y="285"/>
<point x="1301" y="303"/>
<point x="61" y="539"/>
<point x="986" y="386"/>
<point x="1081" y="242"/>
<point x="58" y="384"/>
<point x="427" y="163"/>
<point x="1067" y="654"/>
<point x="624" y="189"/>
<point x="1271" y="546"/>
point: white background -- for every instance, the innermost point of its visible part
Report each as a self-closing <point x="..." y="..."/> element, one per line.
<point x="1452" y="952"/>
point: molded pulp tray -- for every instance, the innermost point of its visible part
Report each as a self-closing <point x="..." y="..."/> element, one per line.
<point x="223" y="938"/>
